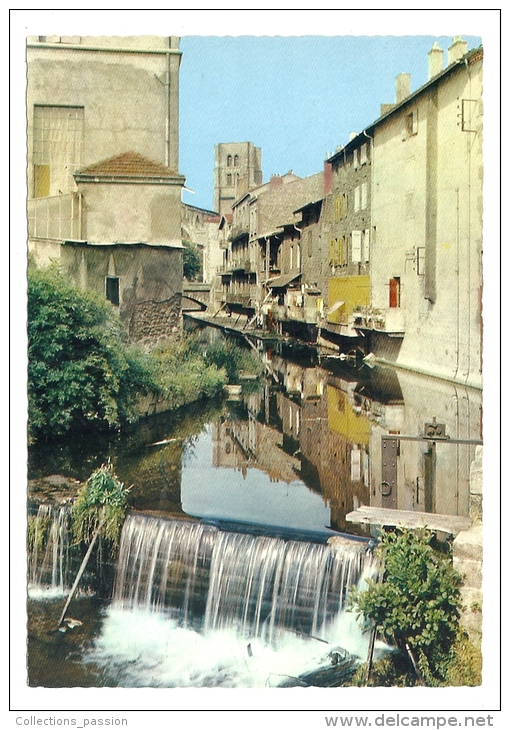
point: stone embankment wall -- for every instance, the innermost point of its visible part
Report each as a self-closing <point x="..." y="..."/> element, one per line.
<point x="468" y="556"/>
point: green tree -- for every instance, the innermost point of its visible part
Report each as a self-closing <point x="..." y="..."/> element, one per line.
<point x="416" y="604"/>
<point x="80" y="372"/>
<point x="191" y="261"/>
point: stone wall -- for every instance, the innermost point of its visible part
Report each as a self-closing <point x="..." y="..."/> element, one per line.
<point x="468" y="557"/>
<point x="153" y="321"/>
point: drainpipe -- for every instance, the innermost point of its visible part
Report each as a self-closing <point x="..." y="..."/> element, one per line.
<point x="299" y="244"/>
<point x="167" y="107"/>
<point x="457" y="243"/>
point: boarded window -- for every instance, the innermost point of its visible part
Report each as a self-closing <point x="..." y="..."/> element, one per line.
<point x="58" y="148"/>
<point x="112" y="289"/>
<point x="363" y="154"/>
<point x="356" y="247"/>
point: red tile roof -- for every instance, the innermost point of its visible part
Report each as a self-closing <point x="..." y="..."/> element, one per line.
<point x="128" y="164"/>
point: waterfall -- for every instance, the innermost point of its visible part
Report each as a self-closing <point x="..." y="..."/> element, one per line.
<point x="258" y="586"/>
<point x="48" y="555"/>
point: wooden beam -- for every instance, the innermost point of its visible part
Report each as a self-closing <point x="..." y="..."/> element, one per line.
<point x="451" y="524"/>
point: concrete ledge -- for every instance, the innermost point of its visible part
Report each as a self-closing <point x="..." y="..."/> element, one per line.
<point x="451" y="524"/>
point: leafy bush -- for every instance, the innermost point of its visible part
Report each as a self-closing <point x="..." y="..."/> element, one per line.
<point x="81" y="374"/>
<point x="183" y="375"/>
<point x="102" y="501"/>
<point x="417" y="602"/>
<point x="234" y="359"/>
<point x="191" y="261"/>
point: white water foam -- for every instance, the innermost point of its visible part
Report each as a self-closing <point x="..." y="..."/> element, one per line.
<point x="143" y="649"/>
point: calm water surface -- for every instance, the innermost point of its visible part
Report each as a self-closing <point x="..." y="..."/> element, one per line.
<point x="291" y="457"/>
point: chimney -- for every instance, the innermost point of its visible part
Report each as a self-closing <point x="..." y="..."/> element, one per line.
<point x="436" y="56"/>
<point x="328" y="177"/>
<point x="403" y="87"/>
<point x="352" y="135"/>
<point x="385" y="108"/>
<point x="457" y="50"/>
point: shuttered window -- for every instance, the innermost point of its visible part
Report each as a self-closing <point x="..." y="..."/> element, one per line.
<point x="366" y="245"/>
<point x="357" y="198"/>
<point x="364" y="195"/>
<point x="356" y="239"/>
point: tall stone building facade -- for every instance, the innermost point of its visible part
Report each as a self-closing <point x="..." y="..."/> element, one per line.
<point x="237" y="169"/>
<point x="103" y="168"/>
<point x="426" y="216"/>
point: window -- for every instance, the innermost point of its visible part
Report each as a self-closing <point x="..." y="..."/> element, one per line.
<point x="356" y="198"/>
<point x="341" y="250"/>
<point x="332" y="251"/>
<point x="468" y="115"/>
<point x="229" y="160"/>
<point x="363" y="154"/>
<point x="356" y="247"/>
<point x="412" y="123"/>
<point x="112" y="289"/>
<point x="229" y="178"/>
<point x="236" y="160"/>
<point x="338" y="207"/>
<point x="395" y="292"/>
<point x="366" y="245"/>
<point x="355" y="159"/>
<point x="364" y="195"/>
<point x="58" y="148"/>
<point x="420" y="260"/>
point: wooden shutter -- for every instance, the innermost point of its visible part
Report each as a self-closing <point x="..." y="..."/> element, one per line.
<point x="356" y="247"/>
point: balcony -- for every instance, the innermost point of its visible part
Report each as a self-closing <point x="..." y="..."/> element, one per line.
<point x="390" y="320"/>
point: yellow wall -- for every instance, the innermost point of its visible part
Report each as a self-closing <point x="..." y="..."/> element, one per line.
<point x="353" y="290"/>
<point x="344" y="421"/>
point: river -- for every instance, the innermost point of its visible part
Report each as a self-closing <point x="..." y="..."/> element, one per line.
<point x="227" y="499"/>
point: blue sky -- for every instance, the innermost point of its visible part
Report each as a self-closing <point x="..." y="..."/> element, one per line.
<point x="297" y="98"/>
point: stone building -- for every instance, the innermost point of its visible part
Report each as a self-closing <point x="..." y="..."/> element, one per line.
<point x="349" y="233"/>
<point x="255" y="261"/>
<point x="237" y="169"/>
<point x="101" y="170"/>
<point x="426" y="218"/>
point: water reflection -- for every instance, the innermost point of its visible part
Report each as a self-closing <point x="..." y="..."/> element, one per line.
<point x="302" y="449"/>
